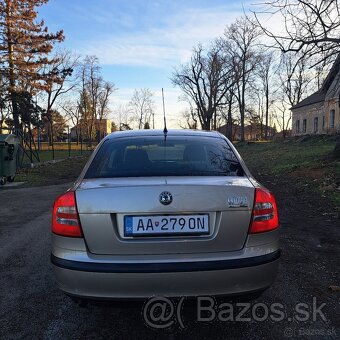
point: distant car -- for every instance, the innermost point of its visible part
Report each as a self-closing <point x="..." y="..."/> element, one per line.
<point x="166" y="214"/>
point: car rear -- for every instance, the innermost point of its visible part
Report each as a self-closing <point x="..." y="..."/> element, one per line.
<point x="175" y="214"/>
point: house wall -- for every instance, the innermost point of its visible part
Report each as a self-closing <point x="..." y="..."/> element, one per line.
<point x="332" y="104"/>
<point x="308" y="112"/>
<point x="319" y="110"/>
<point x="104" y="126"/>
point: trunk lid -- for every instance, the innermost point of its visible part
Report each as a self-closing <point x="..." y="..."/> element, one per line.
<point x="103" y="203"/>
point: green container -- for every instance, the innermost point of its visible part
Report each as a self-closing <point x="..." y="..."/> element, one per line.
<point x="9" y="145"/>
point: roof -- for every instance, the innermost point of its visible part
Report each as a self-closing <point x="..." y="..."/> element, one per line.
<point x="331" y="75"/>
<point x="319" y="96"/>
<point x="314" y="98"/>
<point x="151" y="132"/>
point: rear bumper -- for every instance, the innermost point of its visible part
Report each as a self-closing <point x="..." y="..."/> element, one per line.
<point x="141" y="280"/>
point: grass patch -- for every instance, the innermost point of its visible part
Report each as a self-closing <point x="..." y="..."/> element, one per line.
<point x="64" y="146"/>
<point x="60" y="172"/>
<point x="304" y="161"/>
<point x="46" y="155"/>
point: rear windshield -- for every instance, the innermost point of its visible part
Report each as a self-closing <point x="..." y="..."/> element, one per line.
<point x="154" y="156"/>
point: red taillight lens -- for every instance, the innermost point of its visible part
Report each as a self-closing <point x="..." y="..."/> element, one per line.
<point x="265" y="216"/>
<point x="65" y="219"/>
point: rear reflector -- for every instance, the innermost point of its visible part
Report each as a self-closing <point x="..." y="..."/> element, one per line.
<point x="65" y="219"/>
<point x="265" y="216"/>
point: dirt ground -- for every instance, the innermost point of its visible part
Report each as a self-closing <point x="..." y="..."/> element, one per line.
<point x="32" y="307"/>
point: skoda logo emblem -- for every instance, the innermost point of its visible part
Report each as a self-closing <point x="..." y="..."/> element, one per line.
<point x="165" y="197"/>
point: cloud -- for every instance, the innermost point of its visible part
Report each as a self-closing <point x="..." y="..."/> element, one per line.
<point x="168" y="44"/>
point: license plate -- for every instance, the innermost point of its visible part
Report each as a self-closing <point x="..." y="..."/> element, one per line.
<point x="166" y="225"/>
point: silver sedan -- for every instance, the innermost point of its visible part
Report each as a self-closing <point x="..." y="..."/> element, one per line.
<point x="167" y="214"/>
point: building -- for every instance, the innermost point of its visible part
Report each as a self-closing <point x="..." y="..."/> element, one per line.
<point x="252" y="131"/>
<point x="235" y="131"/>
<point x="319" y="113"/>
<point x="255" y="131"/>
<point x="102" y="127"/>
<point x="4" y="129"/>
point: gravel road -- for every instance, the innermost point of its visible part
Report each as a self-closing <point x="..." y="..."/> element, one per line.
<point x="32" y="307"/>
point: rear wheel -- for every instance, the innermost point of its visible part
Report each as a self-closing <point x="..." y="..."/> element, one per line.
<point x="10" y="179"/>
<point x="3" y="180"/>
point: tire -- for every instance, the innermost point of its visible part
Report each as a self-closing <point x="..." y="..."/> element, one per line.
<point x="3" y="180"/>
<point x="10" y="179"/>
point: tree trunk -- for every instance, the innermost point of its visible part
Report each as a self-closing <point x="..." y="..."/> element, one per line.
<point x="242" y="123"/>
<point x="52" y="142"/>
<point x="215" y="119"/>
<point x="283" y="127"/>
<point x="267" y="112"/>
<point x="206" y="124"/>
<point x="242" y="99"/>
<point x="12" y="85"/>
<point x="230" y="122"/>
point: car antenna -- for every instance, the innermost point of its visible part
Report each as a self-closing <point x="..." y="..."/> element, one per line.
<point x="165" y="131"/>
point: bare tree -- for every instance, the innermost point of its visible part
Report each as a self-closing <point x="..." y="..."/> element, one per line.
<point x="227" y="111"/>
<point x="241" y="42"/>
<point x="205" y="80"/>
<point x="58" y="84"/>
<point x="283" y="116"/>
<point x="103" y="99"/>
<point x="106" y="89"/>
<point x="295" y="81"/>
<point x="295" y="78"/>
<point x="266" y="72"/>
<point x="58" y="127"/>
<point x="142" y="106"/>
<point x="94" y="96"/>
<point x="311" y="27"/>
<point x="191" y="119"/>
<point x="72" y="112"/>
<point x="90" y="92"/>
<point x="123" y="115"/>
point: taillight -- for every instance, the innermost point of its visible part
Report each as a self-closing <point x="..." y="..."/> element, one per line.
<point x="265" y="216"/>
<point x="65" y="219"/>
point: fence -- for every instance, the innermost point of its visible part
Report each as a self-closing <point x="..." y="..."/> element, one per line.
<point x="44" y="152"/>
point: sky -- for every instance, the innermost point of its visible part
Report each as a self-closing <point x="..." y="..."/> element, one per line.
<point x="140" y="43"/>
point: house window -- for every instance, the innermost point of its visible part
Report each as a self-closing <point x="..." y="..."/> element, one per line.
<point x="331" y="119"/>
<point x="297" y="126"/>
<point x="304" y="125"/>
<point x="323" y="122"/>
<point x="316" y="124"/>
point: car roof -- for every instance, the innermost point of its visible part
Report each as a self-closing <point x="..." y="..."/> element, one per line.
<point x="171" y="132"/>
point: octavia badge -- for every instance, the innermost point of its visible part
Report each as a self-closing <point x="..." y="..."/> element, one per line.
<point x="238" y="202"/>
<point x="165" y="197"/>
